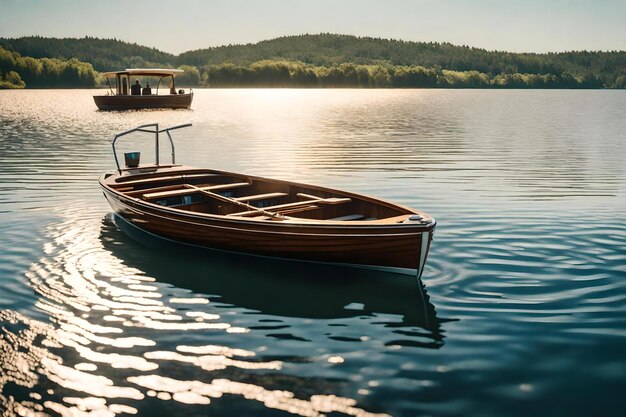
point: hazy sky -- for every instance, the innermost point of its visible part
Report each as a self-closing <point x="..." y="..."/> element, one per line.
<point x="181" y="25"/>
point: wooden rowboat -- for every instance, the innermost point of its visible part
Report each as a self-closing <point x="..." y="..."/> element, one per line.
<point x="262" y="216"/>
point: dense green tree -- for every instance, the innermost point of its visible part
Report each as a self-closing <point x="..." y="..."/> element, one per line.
<point x="271" y="73"/>
<point x="190" y="78"/>
<point x="7" y="60"/>
<point x="414" y="76"/>
<point x="379" y="76"/>
<point x="302" y="75"/>
<point x="45" y="72"/>
<point x="11" y="80"/>
<point x="463" y="79"/>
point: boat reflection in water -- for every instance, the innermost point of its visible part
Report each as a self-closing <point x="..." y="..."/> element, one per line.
<point x="287" y="288"/>
<point x="113" y="337"/>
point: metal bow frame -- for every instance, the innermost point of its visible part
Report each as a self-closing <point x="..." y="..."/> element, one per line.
<point x="149" y="128"/>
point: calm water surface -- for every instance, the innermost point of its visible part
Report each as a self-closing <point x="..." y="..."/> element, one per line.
<point x="522" y="310"/>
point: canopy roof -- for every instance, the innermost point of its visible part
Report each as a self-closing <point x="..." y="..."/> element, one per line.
<point x="146" y="71"/>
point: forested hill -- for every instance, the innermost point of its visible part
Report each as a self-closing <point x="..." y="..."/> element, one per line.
<point x="328" y="49"/>
<point x="320" y="50"/>
<point x="103" y="54"/>
<point x="342" y="60"/>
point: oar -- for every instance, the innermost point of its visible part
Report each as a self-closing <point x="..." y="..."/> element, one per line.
<point x="288" y="206"/>
<point x="239" y="203"/>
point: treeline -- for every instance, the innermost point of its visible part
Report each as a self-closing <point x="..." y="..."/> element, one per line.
<point x="327" y="50"/>
<point x="269" y="73"/>
<point x="17" y="71"/>
<point x="324" y="60"/>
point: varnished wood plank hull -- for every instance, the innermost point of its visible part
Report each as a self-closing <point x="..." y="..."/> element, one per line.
<point x="174" y="101"/>
<point x="396" y="246"/>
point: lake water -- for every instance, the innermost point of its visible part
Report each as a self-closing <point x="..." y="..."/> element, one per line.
<point x="522" y="310"/>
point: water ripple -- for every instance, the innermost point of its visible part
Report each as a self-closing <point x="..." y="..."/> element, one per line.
<point x="526" y="270"/>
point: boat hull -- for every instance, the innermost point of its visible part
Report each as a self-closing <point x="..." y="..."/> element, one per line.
<point x="129" y="102"/>
<point x="400" y="246"/>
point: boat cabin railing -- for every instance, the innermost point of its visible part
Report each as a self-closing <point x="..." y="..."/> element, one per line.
<point x="123" y="81"/>
<point x="147" y="128"/>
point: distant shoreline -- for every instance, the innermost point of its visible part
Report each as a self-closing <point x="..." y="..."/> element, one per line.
<point x="310" y="61"/>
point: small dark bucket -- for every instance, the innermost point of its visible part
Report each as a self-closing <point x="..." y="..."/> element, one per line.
<point x="132" y="159"/>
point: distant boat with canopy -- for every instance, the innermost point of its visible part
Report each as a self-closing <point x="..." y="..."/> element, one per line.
<point x="129" y="94"/>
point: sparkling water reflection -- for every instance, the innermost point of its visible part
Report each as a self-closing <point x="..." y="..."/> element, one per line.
<point x="525" y="306"/>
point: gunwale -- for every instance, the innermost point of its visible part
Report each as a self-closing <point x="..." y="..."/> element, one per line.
<point x="107" y="181"/>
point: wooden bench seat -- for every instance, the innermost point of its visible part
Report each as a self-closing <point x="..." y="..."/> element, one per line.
<point x="258" y="197"/>
<point x="347" y="217"/>
<point x="281" y="208"/>
<point x="185" y="191"/>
